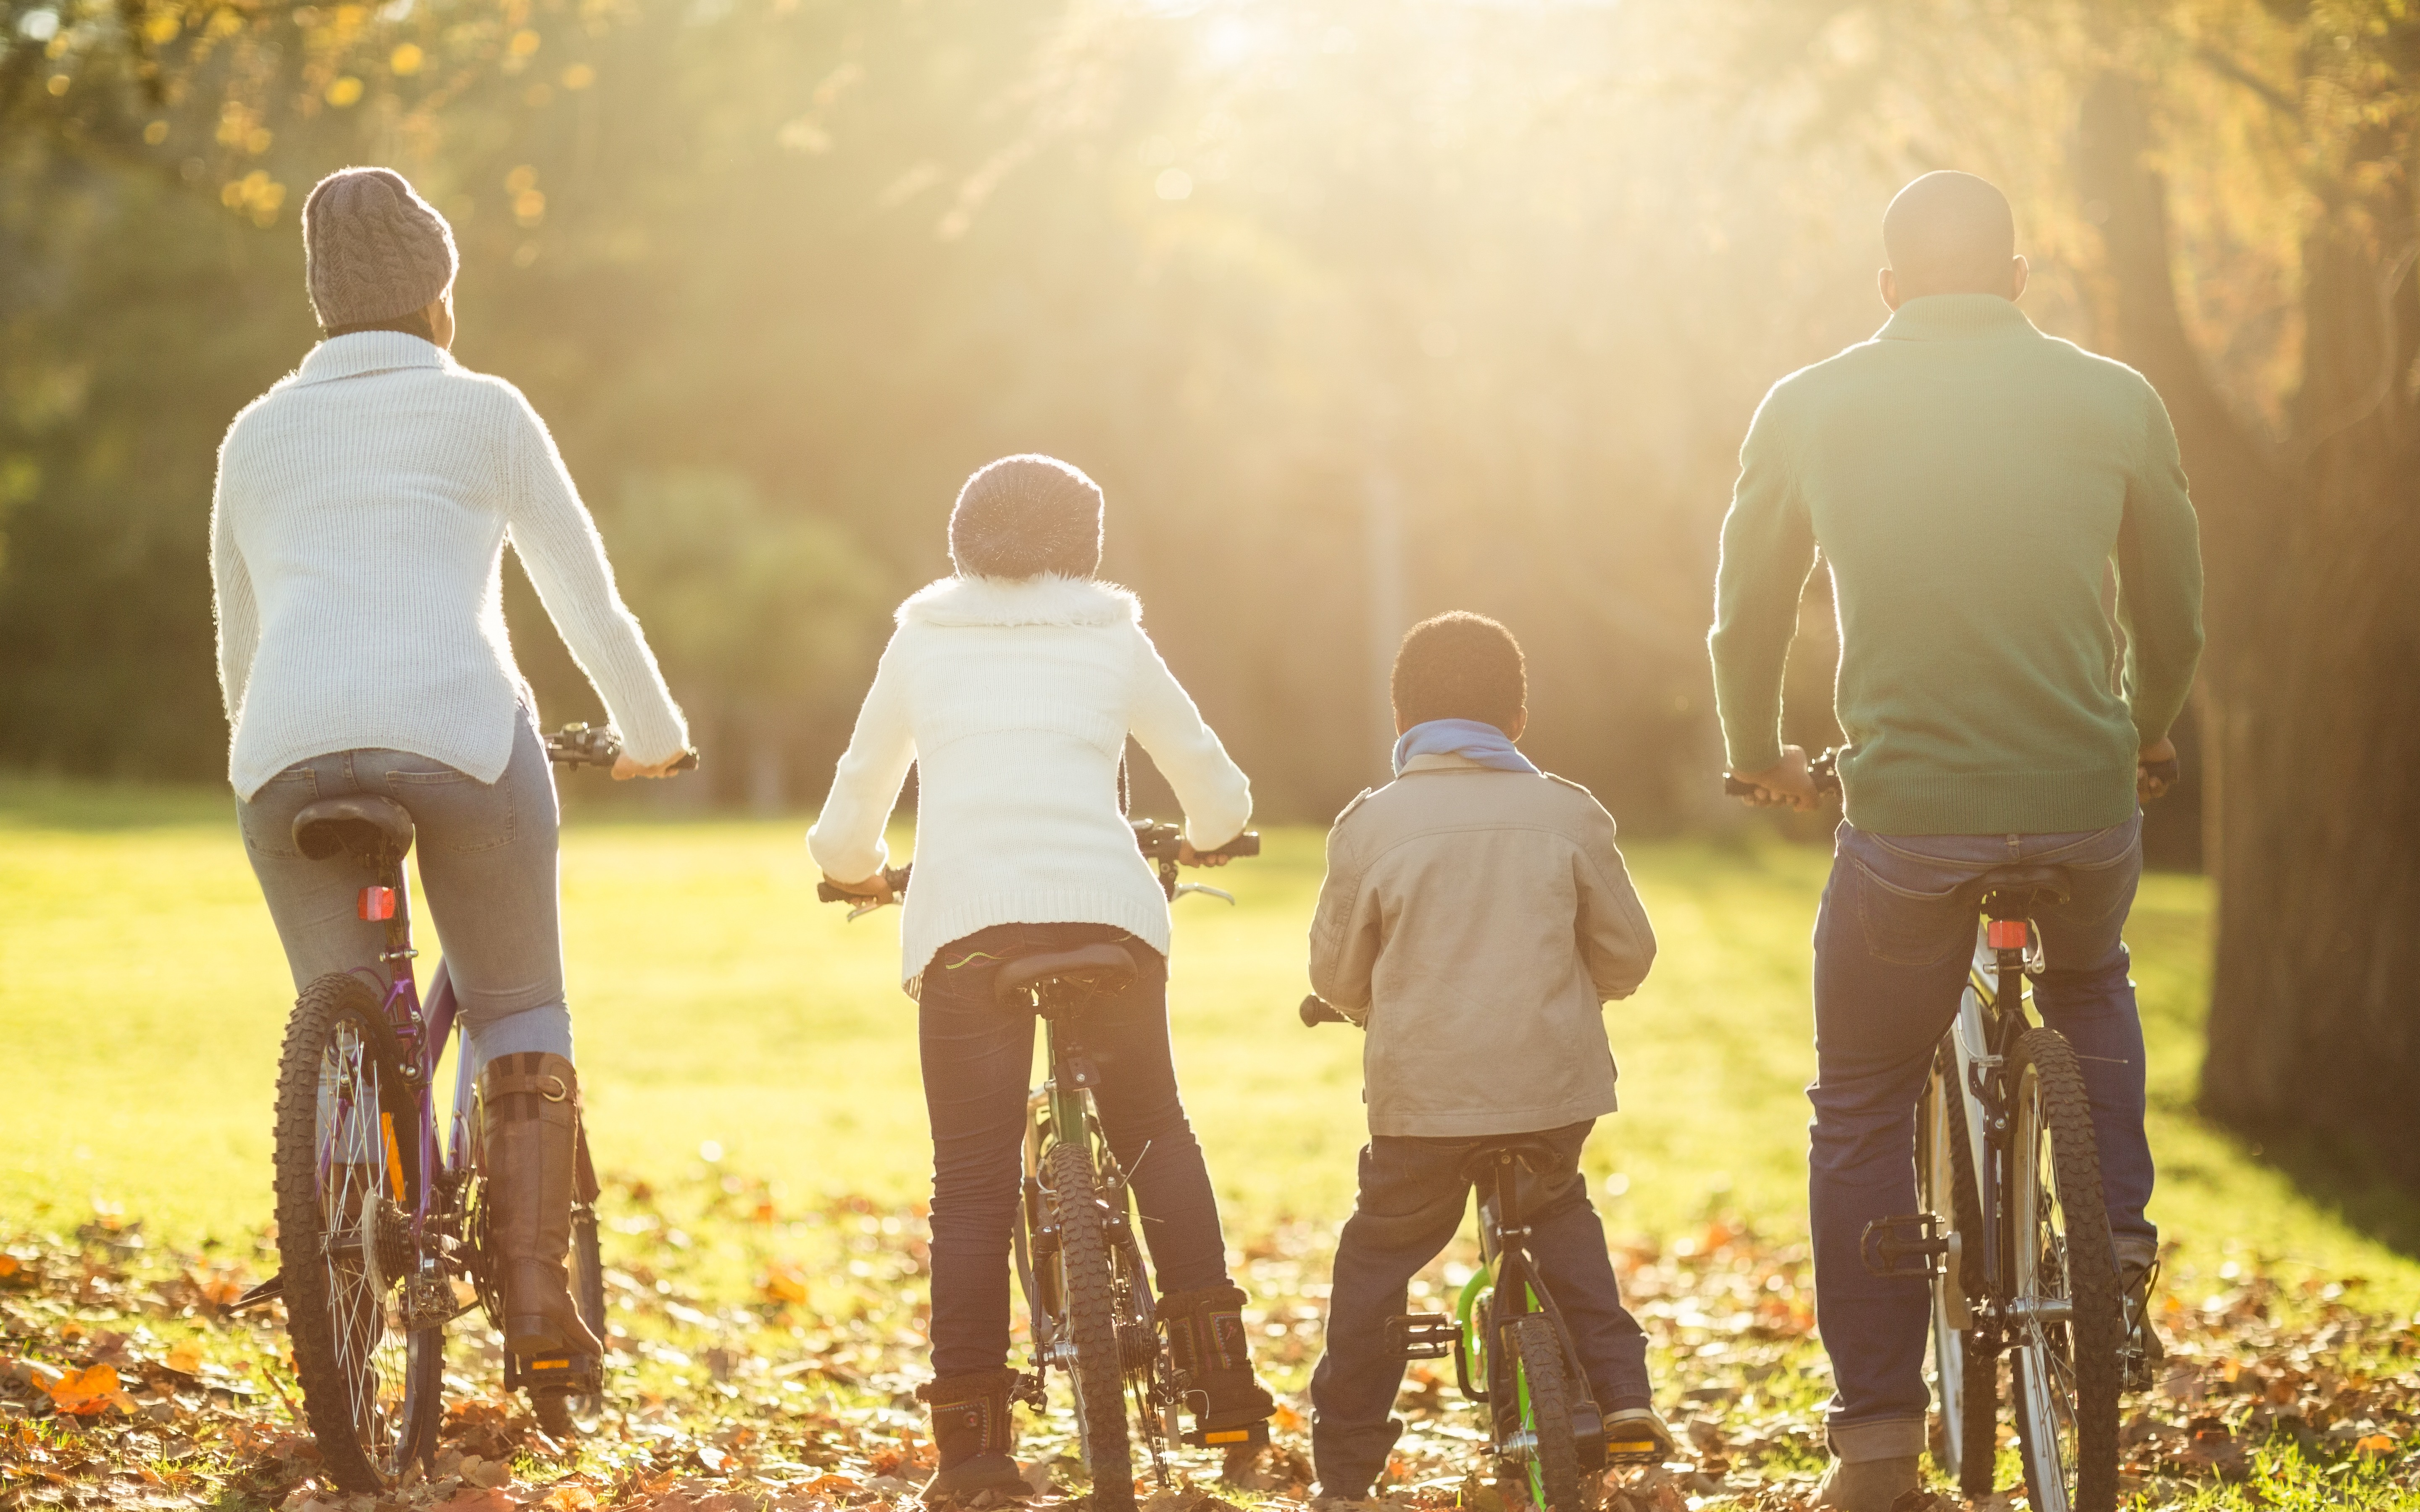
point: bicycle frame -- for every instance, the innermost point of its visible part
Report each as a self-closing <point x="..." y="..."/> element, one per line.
<point x="1988" y="1024"/>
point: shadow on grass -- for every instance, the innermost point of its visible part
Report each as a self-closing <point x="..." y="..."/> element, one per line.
<point x="2351" y="1184"/>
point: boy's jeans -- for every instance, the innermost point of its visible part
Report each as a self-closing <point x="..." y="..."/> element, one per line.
<point x="1413" y="1194"/>
<point x="1891" y="949"/>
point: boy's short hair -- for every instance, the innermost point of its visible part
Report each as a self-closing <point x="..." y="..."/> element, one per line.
<point x="1460" y="666"/>
<point x="1027" y="515"/>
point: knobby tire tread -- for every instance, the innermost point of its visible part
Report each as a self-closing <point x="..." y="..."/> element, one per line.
<point x="2097" y="1326"/>
<point x="1978" y="1395"/>
<point x="325" y="1004"/>
<point x="1540" y="1352"/>
<point x="1099" y="1376"/>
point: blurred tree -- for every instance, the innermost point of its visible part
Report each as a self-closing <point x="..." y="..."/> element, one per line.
<point x="757" y="616"/>
<point x="2228" y="187"/>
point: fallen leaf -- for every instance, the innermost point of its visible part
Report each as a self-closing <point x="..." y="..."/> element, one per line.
<point x="185" y="1358"/>
<point x="784" y="1281"/>
<point x="2375" y="1443"/>
<point x="478" y="1500"/>
<point x="83" y="1393"/>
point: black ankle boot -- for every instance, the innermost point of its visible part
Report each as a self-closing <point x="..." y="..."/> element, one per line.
<point x="973" y="1434"/>
<point x="1214" y="1359"/>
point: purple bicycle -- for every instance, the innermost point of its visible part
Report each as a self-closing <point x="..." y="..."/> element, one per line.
<point x="382" y="1238"/>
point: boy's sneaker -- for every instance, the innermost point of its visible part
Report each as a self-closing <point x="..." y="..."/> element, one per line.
<point x="1635" y="1436"/>
<point x="1213" y="1366"/>
<point x="2142" y="1353"/>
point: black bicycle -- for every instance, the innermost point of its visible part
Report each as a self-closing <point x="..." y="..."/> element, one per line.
<point x="383" y="1238"/>
<point x="1088" y="1293"/>
<point x="2013" y="1235"/>
<point x="1511" y="1351"/>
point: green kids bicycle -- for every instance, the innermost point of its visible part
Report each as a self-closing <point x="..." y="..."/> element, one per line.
<point x="1511" y="1351"/>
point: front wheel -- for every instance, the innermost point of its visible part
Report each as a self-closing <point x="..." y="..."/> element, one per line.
<point x="1547" y="1392"/>
<point x="1087" y="1285"/>
<point x="1965" y="1377"/>
<point x="347" y="1152"/>
<point x="2066" y="1323"/>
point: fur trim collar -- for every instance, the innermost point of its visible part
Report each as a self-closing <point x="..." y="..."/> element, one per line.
<point x="1047" y="600"/>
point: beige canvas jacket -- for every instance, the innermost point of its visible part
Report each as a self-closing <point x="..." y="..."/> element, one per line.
<point x="1474" y="921"/>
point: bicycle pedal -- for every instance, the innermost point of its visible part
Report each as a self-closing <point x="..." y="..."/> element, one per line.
<point x="1254" y="1436"/>
<point x="1423" y="1336"/>
<point x="1912" y="1245"/>
<point x="568" y="1372"/>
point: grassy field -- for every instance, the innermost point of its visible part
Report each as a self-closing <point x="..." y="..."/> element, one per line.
<point x="142" y="995"/>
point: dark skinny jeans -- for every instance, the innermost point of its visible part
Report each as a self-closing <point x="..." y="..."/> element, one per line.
<point x="978" y="1068"/>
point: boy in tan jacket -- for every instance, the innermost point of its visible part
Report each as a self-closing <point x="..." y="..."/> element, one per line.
<point x="1475" y="919"/>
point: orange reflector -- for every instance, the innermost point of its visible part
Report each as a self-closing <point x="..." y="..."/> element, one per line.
<point x="1242" y="1437"/>
<point x="2006" y="933"/>
<point x="394" y="1157"/>
<point x="377" y="903"/>
<point x="549" y="1365"/>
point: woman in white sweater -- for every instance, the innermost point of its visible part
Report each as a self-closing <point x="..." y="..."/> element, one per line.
<point x="1013" y="687"/>
<point x="357" y="550"/>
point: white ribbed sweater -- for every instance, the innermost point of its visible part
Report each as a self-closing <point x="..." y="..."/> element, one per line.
<point x="357" y="554"/>
<point x="1014" y="700"/>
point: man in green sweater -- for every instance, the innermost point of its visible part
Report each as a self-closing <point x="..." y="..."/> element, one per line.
<point x="1969" y="481"/>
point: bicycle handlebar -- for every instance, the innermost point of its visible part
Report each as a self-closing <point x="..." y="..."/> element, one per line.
<point x="1315" y="1011"/>
<point x="578" y="745"/>
<point x="1824" y="769"/>
<point x="1157" y="843"/>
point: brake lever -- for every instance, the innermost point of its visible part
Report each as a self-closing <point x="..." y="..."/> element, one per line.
<point x="1184" y="887"/>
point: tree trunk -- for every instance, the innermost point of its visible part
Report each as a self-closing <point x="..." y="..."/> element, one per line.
<point x="2309" y="684"/>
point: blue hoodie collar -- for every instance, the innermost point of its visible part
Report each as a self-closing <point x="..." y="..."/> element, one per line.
<point x="1471" y="739"/>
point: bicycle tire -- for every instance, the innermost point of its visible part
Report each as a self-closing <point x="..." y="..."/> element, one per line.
<point x="2065" y="1377"/>
<point x="567" y="1414"/>
<point x="1553" y="1478"/>
<point x="1092" y="1331"/>
<point x="339" y="1056"/>
<point x="1967" y="1378"/>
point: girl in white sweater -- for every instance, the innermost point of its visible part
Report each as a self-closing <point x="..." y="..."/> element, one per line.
<point x="1013" y="687"/>
<point x="357" y="555"/>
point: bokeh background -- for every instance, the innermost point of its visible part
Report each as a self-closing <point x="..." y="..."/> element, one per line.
<point x="1358" y="309"/>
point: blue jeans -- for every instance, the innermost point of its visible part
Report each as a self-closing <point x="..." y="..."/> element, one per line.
<point x="1411" y="1202"/>
<point x="1891" y="949"/>
<point x="978" y="1066"/>
<point x="486" y="860"/>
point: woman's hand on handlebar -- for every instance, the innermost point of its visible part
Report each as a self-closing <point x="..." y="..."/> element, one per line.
<point x="1787" y="784"/>
<point x="625" y="768"/>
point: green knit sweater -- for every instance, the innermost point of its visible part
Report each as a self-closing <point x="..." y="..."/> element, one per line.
<point x="1966" y="477"/>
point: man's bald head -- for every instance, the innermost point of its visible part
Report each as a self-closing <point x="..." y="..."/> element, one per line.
<point x="1951" y="233"/>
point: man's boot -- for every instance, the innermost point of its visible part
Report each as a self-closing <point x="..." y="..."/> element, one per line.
<point x="1214" y="1363"/>
<point x="974" y="1433"/>
<point x="528" y="1120"/>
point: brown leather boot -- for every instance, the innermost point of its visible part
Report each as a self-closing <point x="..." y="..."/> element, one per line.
<point x="974" y="1433"/>
<point x="529" y="1112"/>
<point x="1214" y="1359"/>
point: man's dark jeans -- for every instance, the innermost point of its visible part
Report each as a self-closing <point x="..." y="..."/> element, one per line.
<point x="1411" y="1203"/>
<point x="978" y="1066"/>
<point x="1891" y="948"/>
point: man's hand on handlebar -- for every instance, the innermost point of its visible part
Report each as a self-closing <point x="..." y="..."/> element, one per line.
<point x="2155" y="770"/>
<point x="1787" y="784"/>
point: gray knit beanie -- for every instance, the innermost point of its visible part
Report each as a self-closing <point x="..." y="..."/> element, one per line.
<point x="372" y="249"/>
<point x="1026" y="515"/>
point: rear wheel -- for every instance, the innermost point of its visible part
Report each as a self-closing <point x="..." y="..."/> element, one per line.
<point x="1545" y="1395"/>
<point x="571" y="1413"/>
<point x="1087" y="1281"/>
<point x="2067" y="1324"/>
<point x="348" y="1152"/>
<point x="1966" y="1377"/>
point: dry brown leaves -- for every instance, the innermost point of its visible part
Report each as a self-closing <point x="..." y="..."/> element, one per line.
<point x="764" y="1362"/>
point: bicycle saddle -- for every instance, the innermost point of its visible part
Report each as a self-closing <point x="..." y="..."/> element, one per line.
<point x="1102" y="967"/>
<point x="2025" y="886"/>
<point x="1530" y="1152"/>
<point x="362" y="823"/>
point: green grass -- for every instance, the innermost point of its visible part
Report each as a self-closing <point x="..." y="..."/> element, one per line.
<point x="142" y="995"/>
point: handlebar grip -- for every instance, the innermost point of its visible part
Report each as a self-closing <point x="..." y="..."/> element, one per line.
<point x="1315" y="1013"/>
<point x="686" y="761"/>
<point x="2167" y="773"/>
<point x="1247" y="843"/>
<point x="827" y="893"/>
<point x="1734" y="788"/>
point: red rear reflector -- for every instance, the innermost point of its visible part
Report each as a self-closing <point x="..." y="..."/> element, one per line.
<point x="379" y="902"/>
<point x="2004" y="933"/>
